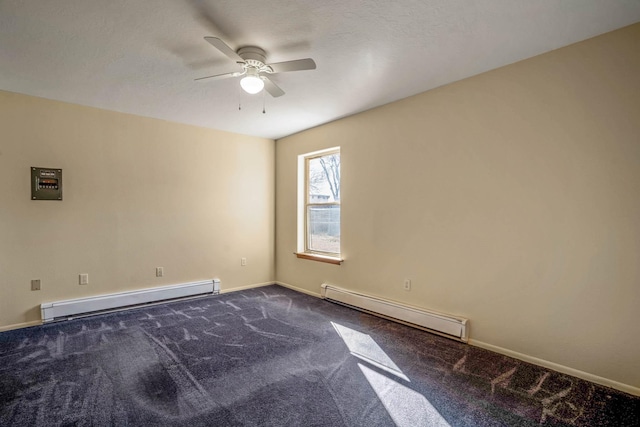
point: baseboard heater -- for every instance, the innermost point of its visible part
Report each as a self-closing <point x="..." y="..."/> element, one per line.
<point x="102" y="303"/>
<point x="438" y="323"/>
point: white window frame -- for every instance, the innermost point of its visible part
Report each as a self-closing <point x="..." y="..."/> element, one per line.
<point x="303" y="250"/>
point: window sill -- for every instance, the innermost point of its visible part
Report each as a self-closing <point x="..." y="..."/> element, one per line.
<point x="321" y="258"/>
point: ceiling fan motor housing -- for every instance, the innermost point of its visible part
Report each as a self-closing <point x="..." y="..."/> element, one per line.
<point x="253" y="56"/>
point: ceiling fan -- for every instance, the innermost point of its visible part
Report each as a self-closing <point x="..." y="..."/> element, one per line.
<point x="255" y="70"/>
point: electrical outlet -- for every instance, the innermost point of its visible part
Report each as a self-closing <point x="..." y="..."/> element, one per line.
<point x="35" y="285"/>
<point x="407" y="284"/>
<point x="84" y="279"/>
<point x="243" y="262"/>
<point x="159" y="271"/>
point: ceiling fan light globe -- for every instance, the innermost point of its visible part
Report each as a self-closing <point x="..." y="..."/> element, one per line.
<point x="252" y="84"/>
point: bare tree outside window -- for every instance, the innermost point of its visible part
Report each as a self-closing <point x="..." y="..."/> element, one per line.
<point x="325" y="172"/>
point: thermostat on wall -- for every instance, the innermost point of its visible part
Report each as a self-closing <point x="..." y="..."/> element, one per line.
<point x="46" y="184"/>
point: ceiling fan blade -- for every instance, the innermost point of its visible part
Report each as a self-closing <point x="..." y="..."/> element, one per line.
<point x="224" y="48"/>
<point x="297" y="65"/>
<point x="221" y="76"/>
<point x="272" y="88"/>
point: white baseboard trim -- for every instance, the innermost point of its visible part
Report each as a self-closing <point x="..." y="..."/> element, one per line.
<point x="20" y="325"/>
<point x="259" y="285"/>
<point x="242" y="288"/>
<point x="297" y="289"/>
<point x="560" y="368"/>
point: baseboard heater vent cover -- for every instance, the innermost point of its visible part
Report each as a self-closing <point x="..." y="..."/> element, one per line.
<point x="60" y="310"/>
<point x="438" y="323"/>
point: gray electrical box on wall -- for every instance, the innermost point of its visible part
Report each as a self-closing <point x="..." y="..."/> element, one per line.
<point x="46" y="184"/>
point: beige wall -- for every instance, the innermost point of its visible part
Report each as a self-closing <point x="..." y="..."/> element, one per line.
<point x="511" y="198"/>
<point x="138" y="193"/>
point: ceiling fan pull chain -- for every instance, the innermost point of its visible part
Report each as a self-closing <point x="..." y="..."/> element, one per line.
<point x="263" y="102"/>
<point x="239" y="98"/>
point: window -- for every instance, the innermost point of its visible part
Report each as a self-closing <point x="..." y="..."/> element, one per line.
<point x="320" y="214"/>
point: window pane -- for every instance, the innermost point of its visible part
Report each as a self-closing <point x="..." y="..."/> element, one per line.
<point x="324" y="179"/>
<point x="324" y="228"/>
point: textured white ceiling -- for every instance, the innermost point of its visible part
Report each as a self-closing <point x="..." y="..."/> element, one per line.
<point x="141" y="57"/>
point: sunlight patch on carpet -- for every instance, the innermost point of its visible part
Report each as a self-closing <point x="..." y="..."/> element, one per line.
<point x="364" y="347"/>
<point x="405" y="406"/>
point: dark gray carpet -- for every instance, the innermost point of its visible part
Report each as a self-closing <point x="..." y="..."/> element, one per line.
<point x="275" y="357"/>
